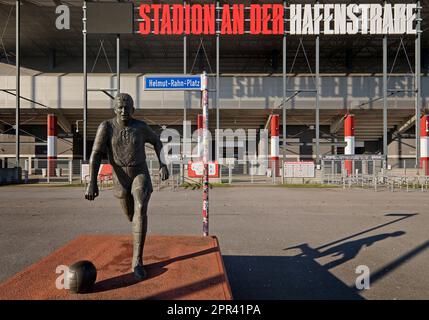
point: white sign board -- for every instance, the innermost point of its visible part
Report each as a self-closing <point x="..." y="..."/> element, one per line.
<point x="299" y="169"/>
<point x="85" y="172"/>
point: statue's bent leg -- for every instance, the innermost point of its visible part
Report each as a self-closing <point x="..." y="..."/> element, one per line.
<point x="122" y="191"/>
<point x="141" y="194"/>
<point x="127" y="204"/>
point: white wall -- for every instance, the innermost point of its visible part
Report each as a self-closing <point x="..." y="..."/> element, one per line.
<point x="246" y="92"/>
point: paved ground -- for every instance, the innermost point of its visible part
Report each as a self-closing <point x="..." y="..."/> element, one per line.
<point x="330" y="232"/>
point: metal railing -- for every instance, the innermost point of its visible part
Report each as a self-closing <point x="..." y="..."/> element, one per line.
<point x="364" y="174"/>
<point x="69" y="171"/>
<point x="380" y="182"/>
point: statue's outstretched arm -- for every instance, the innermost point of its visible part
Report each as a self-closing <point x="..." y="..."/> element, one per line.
<point x="94" y="165"/>
<point x="95" y="161"/>
<point x="154" y="140"/>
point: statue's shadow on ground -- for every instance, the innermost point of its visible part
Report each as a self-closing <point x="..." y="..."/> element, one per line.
<point x="282" y="277"/>
<point x="302" y="276"/>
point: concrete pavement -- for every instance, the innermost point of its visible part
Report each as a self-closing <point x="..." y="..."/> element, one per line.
<point x="277" y="243"/>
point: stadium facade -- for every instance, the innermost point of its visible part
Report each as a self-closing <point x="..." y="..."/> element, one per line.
<point x="312" y="81"/>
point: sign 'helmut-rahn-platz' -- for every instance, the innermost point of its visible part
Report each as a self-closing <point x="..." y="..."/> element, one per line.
<point x="272" y="19"/>
<point x="172" y="82"/>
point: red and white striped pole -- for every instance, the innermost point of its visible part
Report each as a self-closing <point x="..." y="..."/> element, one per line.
<point x="52" y="145"/>
<point x="424" y="144"/>
<point x="205" y="106"/>
<point x="275" y="149"/>
<point x="200" y="125"/>
<point x="349" y="138"/>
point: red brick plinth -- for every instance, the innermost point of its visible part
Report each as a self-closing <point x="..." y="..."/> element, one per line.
<point x="179" y="267"/>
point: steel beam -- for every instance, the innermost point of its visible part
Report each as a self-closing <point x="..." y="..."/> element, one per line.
<point x="85" y="85"/>
<point x="284" y="100"/>
<point x="385" y="99"/>
<point x="317" y="98"/>
<point x="418" y="83"/>
<point x="336" y="125"/>
<point x="184" y="93"/>
<point x="217" y="84"/>
<point x="405" y="125"/>
<point x="118" y="64"/>
<point x="18" y="78"/>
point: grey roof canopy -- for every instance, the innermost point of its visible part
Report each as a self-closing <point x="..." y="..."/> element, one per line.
<point x="40" y="40"/>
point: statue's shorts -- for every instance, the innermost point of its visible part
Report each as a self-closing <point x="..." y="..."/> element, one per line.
<point x="132" y="181"/>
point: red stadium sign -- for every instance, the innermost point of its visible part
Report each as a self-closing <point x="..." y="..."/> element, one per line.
<point x="277" y="19"/>
<point x="197" y="19"/>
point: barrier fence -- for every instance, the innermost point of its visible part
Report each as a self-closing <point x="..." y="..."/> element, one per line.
<point x="69" y="171"/>
<point x="367" y="174"/>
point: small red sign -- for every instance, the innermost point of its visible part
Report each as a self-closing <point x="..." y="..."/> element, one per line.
<point x="196" y="169"/>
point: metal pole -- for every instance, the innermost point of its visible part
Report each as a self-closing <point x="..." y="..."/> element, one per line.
<point x="317" y="96"/>
<point x="385" y="100"/>
<point x="418" y="83"/>
<point x="70" y="171"/>
<point x="284" y="102"/>
<point x="217" y="82"/>
<point x="230" y="173"/>
<point x="273" y="171"/>
<point x="205" y="106"/>
<point x="185" y="93"/>
<point x="48" y="168"/>
<point x="85" y="84"/>
<point x="18" y="79"/>
<point x="118" y="61"/>
<point x="182" y="180"/>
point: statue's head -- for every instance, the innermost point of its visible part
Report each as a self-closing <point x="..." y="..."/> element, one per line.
<point x="124" y="107"/>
